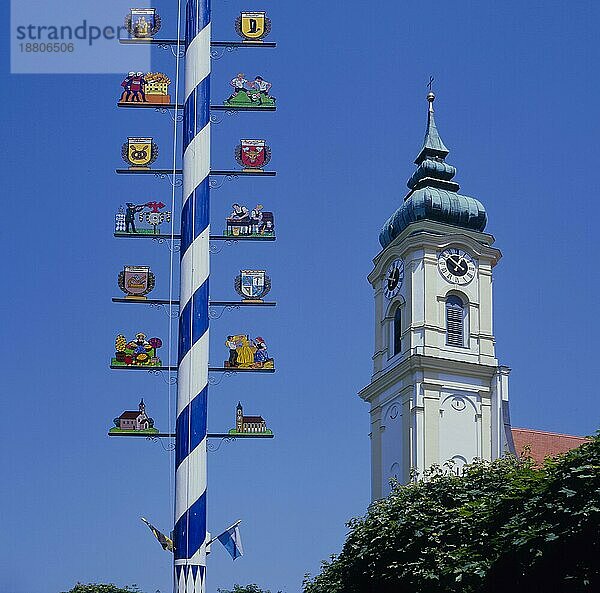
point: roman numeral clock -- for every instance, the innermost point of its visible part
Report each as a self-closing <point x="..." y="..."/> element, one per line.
<point x="394" y="278"/>
<point x="457" y="266"/>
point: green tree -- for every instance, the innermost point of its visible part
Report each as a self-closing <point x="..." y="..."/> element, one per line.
<point x="501" y="526"/>
<point x="102" y="588"/>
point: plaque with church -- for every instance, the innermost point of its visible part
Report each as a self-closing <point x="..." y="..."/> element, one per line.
<point x="149" y="214"/>
<point x="247" y="353"/>
<point x="248" y="424"/>
<point x="139" y="352"/>
<point x="256" y="223"/>
<point x="134" y="422"/>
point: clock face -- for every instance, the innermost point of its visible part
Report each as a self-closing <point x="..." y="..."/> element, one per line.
<point x="456" y="266"/>
<point x="393" y="278"/>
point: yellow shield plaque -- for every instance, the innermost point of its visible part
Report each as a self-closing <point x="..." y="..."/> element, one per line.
<point x="253" y="26"/>
<point x="140" y="152"/>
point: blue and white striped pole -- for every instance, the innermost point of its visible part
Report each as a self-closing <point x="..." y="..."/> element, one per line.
<point x="192" y="390"/>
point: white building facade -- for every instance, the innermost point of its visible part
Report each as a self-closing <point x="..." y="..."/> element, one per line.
<point x="438" y="395"/>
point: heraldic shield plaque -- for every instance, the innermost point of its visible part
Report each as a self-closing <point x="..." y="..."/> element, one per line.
<point x="253" y="155"/>
<point x="252" y="285"/>
<point x="139" y="153"/>
<point x="142" y="23"/>
<point x="253" y="26"/>
<point x="136" y="282"/>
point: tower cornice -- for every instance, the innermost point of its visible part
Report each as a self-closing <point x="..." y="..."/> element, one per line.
<point x="418" y="363"/>
<point x="435" y="235"/>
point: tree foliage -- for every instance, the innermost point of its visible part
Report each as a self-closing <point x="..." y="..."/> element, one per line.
<point x="102" y="588"/>
<point x="501" y="526"/>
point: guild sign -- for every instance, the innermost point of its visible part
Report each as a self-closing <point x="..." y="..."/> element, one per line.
<point x="150" y="213"/>
<point x="250" y="93"/>
<point x="152" y="87"/>
<point x="140" y="153"/>
<point x="142" y="23"/>
<point x="137" y="352"/>
<point x="253" y="155"/>
<point x="246" y="353"/>
<point x="253" y="26"/>
<point x="252" y="285"/>
<point x="136" y="281"/>
<point x="257" y="223"/>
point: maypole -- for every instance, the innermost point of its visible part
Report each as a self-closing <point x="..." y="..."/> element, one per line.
<point x="192" y="391"/>
<point x="246" y="354"/>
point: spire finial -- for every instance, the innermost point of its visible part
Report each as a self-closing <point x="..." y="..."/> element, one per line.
<point x="432" y="145"/>
<point x="430" y="94"/>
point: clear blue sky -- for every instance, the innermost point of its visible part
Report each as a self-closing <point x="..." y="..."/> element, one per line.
<point x="516" y="88"/>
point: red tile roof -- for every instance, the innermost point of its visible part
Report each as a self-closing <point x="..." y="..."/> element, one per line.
<point x="251" y="419"/>
<point x="129" y="415"/>
<point x="544" y="444"/>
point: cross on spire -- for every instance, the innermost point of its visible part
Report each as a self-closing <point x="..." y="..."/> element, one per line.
<point x="430" y="83"/>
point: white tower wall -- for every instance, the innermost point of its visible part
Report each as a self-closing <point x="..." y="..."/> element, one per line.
<point x="433" y="403"/>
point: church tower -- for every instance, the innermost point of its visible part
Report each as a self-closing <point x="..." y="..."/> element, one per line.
<point x="239" y="418"/>
<point x="438" y="393"/>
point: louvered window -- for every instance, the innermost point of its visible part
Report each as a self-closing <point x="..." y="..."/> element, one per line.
<point x="397" y="331"/>
<point x="455" y="321"/>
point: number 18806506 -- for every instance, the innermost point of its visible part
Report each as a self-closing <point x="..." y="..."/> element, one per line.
<point x="47" y="47"/>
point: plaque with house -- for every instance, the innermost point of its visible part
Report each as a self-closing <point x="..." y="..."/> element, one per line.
<point x="248" y="424"/>
<point x="150" y="215"/>
<point x="134" y="422"/>
<point x="245" y="223"/>
<point x="246" y="353"/>
<point x="138" y="352"/>
<point x="151" y="88"/>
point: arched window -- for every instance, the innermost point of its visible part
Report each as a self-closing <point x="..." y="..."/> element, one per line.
<point x="397" y="345"/>
<point x="455" y="321"/>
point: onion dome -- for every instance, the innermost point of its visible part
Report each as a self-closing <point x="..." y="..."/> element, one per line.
<point x="433" y="195"/>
